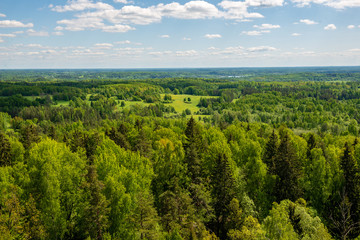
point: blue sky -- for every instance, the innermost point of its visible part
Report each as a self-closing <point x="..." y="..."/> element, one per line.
<point x="177" y="34"/>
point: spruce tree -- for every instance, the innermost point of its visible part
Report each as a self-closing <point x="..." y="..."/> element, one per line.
<point x="311" y="144"/>
<point x="96" y="211"/>
<point x="288" y="170"/>
<point x="5" y="150"/>
<point x="223" y="184"/>
<point x="271" y="149"/>
<point x="192" y="148"/>
<point x="352" y="183"/>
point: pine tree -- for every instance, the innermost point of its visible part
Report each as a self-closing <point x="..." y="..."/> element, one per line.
<point x="288" y="170"/>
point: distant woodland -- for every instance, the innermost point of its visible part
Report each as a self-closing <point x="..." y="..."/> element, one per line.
<point x="170" y="155"/>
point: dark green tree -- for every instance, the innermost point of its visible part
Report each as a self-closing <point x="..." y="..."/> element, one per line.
<point x="288" y="169"/>
<point x="223" y="184"/>
<point x="96" y="212"/>
<point x="29" y="133"/>
<point x="351" y="184"/>
<point x="5" y="150"/>
<point x="311" y="144"/>
<point x="270" y="153"/>
<point x="193" y="147"/>
<point x="118" y="138"/>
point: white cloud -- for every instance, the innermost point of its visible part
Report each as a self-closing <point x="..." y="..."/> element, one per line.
<point x="121" y="1"/>
<point x="308" y="21"/>
<point x="2" y="15"/>
<point x="261" y="49"/>
<point x="123" y="42"/>
<point x="1" y="40"/>
<point x="117" y="28"/>
<point x="264" y="3"/>
<point x="267" y="26"/>
<point x="34" y="45"/>
<point x="33" y="33"/>
<point x="91" y="23"/>
<point x="18" y="32"/>
<point x="128" y="42"/>
<point x="238" y="10"/>
<point x="165" y="36"/>
<point x="7" y="35"/>
<point x="188" y="53"/>
<point x="80" y="5"/>
<point x="98" y="12"/>
<point x="351" y="26"/>
<point x="255" y="33"/>
<point x="296" y="34"/>
<point x="14" y="24"/>
<point x="158" y="54"/>
<point x="103" y="45"/>
<point x="58" y="33"/>
<point x="190" y="10"/>
<point x="81" y="24"/>
<point x="211" y="36"/>
<point x="186" y="39"/>
<point x="337" y="4"/>
<point x="330" y="27"/>
<point x="59" y="28"/>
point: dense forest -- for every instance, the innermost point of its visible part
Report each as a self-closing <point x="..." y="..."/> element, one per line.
<point x="112" y="155"/>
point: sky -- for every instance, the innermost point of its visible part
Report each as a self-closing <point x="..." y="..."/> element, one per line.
<point x="40" y="34"/>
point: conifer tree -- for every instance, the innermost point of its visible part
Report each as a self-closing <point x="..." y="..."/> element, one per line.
<point x="118" y="138"/>
<point x="5" y="150"/>
<point x="96" y="219"/>
<point x="271" y="149"/>
<point x="29" y="134"/>
<point x="192" y="148"/>
<point x="288" y="170"/>
<point x="223" y="192"/>
<point x="311" y="142"/>
<point x="352" y="183"/>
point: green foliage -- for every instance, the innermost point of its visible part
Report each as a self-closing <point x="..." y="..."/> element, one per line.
<point x="288" y="169"/>
<point x="289" y="220"/>
<point x="97" y="165"/>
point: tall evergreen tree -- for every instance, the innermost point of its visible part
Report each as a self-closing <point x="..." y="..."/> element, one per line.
<point x="288" y="170"/>
<point x="271" y="149"/>
<point x="5" y="150"/>
<point x="96" y="219"/>
<point x="352" y="184"/>
<point x="223" y="183"/>
<point x="192" y="148"/>
<point x="29" y="133"/>
<point x="311" y="144"/>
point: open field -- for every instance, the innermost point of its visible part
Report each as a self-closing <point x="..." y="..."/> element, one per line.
<point x="179" y="104"/>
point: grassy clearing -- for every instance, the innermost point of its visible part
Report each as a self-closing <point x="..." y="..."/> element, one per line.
<point x="31" y="98"/>
<point x="61" y="103"/>
<point x="179" y="104"/>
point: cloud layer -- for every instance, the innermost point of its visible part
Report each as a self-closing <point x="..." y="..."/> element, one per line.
<point x="96" y="15"/>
